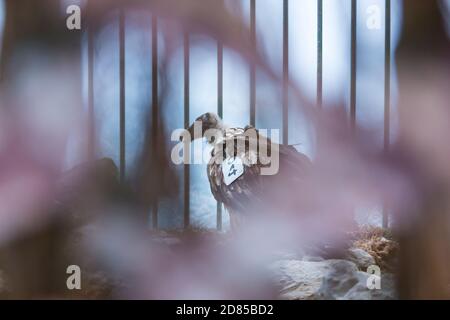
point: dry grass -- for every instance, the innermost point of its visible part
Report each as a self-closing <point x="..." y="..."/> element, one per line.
<point x="379" y="243"/>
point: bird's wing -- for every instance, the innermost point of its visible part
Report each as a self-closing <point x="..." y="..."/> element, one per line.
<point x="252" y="189"/>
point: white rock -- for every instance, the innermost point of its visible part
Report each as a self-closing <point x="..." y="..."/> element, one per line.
<point x="361" y="258"/>
<point x="328" y="279"/>
<point x="300" y="280"/>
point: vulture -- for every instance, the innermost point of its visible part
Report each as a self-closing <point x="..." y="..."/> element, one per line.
<point x="242" y="172"/>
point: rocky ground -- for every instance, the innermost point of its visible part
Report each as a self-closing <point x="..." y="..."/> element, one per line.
<point x="296" y="276"/>
<point x="329" y="279"/>
<point x="313" y="278"/>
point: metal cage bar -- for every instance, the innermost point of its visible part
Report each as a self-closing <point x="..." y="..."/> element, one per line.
<point x="285" y="86"/>
<point x="186" y="125"/>
<point x="285" y="71"/>
<point x="122" y="92"/>
<point x="387" y="90"/>
<point x="252" y="64"/>
<point x="319" y="52"/>
<point x="155" y="110"/>
<point x="91" y="115"/>
<point x="220" y="113"/>
<point x="353" y="64"/>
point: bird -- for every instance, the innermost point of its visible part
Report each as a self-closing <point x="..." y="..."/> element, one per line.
<point x="236" y="169"/>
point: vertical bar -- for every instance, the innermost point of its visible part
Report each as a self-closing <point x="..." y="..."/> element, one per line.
<point x="186" y="125"/>
<point x="91" y="115"/>
<point x="155" y="110"/>
<point x="252" y="64"/>
<point x="220" y="79"/>
<point x="122" y="92"/>
<point x="285" y="70"/>
<point x="387" y="90"/>
<point x="220" y="113"/>
<point x="353" y="66"/>
<point x="319" y="52"/>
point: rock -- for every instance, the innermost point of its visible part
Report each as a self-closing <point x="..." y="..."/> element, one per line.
<point x="299" y="280"/>
<point x="287" y="255"/>
<point x="313" y="258"/>
<point x="327" y="279"/>
<point x="341" y="277"/>
<point x="345" y="282"/>
<point x="361" y="258"/>
<point x="361" y="292"/>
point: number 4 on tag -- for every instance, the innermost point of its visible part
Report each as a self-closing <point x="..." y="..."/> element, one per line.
<point x="232" y="168"/>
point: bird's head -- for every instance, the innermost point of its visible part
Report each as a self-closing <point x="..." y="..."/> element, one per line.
<point x="205" y="122"/>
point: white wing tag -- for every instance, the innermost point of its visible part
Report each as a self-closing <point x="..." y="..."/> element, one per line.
<point x="232" y="168"/>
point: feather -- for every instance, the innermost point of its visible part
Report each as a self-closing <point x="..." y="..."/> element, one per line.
<point x="252" y="190"/>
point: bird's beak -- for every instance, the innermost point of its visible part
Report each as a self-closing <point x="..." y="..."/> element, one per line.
<point x="190" y="130"/>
